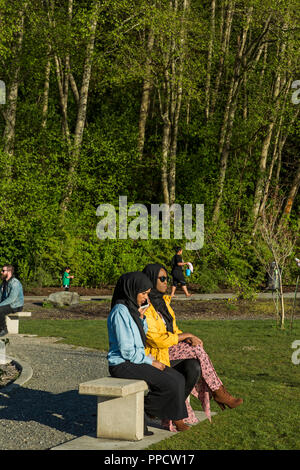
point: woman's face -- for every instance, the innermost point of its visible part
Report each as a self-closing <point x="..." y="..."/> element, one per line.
<point x="162" y="285"/>
<point x="142" y="297"/>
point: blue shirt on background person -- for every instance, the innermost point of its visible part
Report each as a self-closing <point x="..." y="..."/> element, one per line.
<point x="11" y="296"/>
<point x="11" y="293"/>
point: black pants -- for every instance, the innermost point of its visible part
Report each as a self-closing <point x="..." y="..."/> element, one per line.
<point x="5" y="310"/>
<point x="165" y="398"/>
<point x="190" y="369"/>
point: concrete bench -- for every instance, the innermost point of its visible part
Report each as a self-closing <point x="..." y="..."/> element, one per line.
<point x="12" y="321"/>
<point x="120" y="407"/>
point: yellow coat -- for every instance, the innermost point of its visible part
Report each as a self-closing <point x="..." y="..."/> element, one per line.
<point x="159" y="340"/>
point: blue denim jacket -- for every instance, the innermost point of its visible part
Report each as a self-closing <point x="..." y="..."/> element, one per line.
<point x="125" y="343"/>
<point x="14" y="294"/>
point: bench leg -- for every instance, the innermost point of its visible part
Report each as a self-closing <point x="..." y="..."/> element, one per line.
<point x="3" y="359"/>
<point x="121" y="418"/>
<point x="12" y="325"/>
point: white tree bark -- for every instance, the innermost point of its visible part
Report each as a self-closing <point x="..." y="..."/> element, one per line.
<point x="13" y="88"/>
<point x="82" y="108"/>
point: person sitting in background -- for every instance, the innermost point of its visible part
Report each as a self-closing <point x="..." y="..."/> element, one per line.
<point x="127" y="330"/>
<point x="182" y="351"/>
<point x="11" y="296"/>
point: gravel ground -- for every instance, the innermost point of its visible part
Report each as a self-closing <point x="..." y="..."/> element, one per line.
<point x="48" y="410"/>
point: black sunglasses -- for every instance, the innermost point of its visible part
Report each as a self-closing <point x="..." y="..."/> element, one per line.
<point x="163" y="278"/>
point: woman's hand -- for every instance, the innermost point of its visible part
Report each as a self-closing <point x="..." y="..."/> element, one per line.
<point x="158" y="365"/>
<point x="190" y="339"/>
<point x="194" y="341"/>
<point x="142" y="310"/>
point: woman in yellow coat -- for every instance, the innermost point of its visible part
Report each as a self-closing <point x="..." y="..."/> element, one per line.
<point x="182" y="351"/>
<point x="159" y="339"/>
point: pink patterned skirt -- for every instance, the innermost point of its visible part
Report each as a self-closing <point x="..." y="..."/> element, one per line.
<point x="208" y="382"/>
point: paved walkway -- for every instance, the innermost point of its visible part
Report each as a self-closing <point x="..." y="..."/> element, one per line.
<point x="214" y="296"/>
<point x="43" y="409"/>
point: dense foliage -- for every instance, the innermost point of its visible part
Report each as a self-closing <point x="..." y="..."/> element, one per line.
<point x="181" y="101"/>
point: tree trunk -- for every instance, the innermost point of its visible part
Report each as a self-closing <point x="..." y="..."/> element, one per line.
<point x="280" y="148"/>
<point x="262" y="74"/>
<point x="264" y="154"/>
<point x="292" y="194"/>
<point x="209" y="58"/>
<point x="275" y="155"/>
<point x="165" y="154"/>
<point x="63" y="77"/>
<point x="177" y="104"/>
<point x="63" y="100"/>
<point x="165" y="114"/>
<point x="46" y="91"/>
<point x="230" y="109"/>
<point x="224" y="160"/>
<point x="50" y="12"/>
<point x="74" y="89"/>
<point x="81" y="114"/>
<point x="12" y="96"/>
<point x="145" y="101"/>
<point x="224" y="48"/>
<point x="165" y="111"/>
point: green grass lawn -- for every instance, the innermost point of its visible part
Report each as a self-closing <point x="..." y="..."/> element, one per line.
<point x="253" y="359"/>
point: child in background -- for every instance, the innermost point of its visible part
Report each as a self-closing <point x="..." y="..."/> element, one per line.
<point x="66" y="279"/>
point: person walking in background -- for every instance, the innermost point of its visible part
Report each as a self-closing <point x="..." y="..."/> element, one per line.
<point x="11" y="296"/>
<point x="66" y="279"/>
<point x="177" y="273"/>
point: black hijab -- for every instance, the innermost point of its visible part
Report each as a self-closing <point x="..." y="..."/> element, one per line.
<point x="128" y="286"/>
<point x="156" y="297"/>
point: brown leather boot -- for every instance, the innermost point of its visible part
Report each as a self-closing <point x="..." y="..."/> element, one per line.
<point x="180" y="425"/>
<point x="223" y="398"/>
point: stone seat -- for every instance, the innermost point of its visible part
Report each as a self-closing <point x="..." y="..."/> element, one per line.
<point x="120" y="407"/>
<point x="12" y="321"/>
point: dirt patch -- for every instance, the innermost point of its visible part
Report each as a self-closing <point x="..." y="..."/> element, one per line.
<point x="83" y="310"/>
<point x="8" y="373"/>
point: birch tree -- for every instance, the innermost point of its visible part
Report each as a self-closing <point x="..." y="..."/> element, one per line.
<point x="82" y="107"/>
<point x="170" y="95"/>
<point x="273" y="234"/>
<point x="209" y="58"/>
<point x="230" y="109"/>
<point x="146" y="93"/>
<point x="13" y="87"/>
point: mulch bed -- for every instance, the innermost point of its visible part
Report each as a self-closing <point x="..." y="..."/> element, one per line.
<point x="185" y="310"/>
<point x="108" y="290"/>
